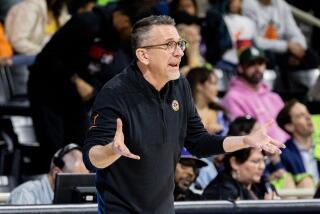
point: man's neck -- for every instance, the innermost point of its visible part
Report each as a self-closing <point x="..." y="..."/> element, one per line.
<point x="151" y="78"/>
<point x="304" y="142"/>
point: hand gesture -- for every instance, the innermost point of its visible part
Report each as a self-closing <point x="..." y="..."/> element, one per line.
<point x="118" y="145"/>
<point x="260" y="139"/>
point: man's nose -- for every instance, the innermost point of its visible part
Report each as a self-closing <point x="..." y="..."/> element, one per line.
<point x="178" y="51"/>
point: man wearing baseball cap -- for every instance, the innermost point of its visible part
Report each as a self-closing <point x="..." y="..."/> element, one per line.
<point x="187" y="171"/>
<point x="249" y="95"/>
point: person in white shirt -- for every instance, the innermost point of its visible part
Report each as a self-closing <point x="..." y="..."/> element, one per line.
<point x="279" y="35"/>
<point x="67" y="160"/>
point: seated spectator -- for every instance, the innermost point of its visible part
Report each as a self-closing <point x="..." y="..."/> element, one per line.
<point x="31" y="23"/>
<point x="85" y="53"/>
<point x="248" y="95"/>
<point x="279" y="35"/>
<point x="187" y="171"/>
<point x="242" y="177"/>
<point x="185" y="13"/>
<point x="241" y="30"/>
<point x="66" y="160"/>
<point x="215" y="33"/>
<point x="299" y="157"/>
<point x="204" y="87"/>
<point x="203" y="83"/>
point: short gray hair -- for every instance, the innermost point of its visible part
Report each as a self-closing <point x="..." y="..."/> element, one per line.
<point x="141" y="28"/>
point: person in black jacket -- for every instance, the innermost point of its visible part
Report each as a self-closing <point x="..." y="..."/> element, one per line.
<point x="85" y="53"/>
<point x="141" y="120"/>
<point x="242" y="178"/>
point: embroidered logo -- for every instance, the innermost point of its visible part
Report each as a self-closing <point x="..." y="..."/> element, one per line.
<point x="175" y="105"/>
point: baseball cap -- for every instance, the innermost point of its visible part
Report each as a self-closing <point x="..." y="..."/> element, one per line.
<point x="185" y="155"/>
<point x="250" y="54"/>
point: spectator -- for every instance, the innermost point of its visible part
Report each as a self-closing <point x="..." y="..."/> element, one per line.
<point x="248" y="95"/>
<point x="89" y="50"/>
<point x="216" y="34"/>
<point x="31" y="23"/>
<point x="66" y="160"/>
<point x="188" y="23"/>
<point x="279" y="35"/>
<point x="187" y="171"/>
<point x="203" y="83"/>
<point x="243" y="171"/>
<point x="299" y="158"/>
<point x="204" y="87"/>
<point x="241" y="30"/>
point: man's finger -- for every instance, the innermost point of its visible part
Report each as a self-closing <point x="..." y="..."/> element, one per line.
<point x="277" y="143"/>
<point x="271" y="148"/>
<point x="119" y="125"/>
<point x="133" y="156"/>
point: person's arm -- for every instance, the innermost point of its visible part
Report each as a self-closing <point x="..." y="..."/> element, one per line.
<point x="105" y="142"/>
<point x="200" y="143"/>
<point x="258" y="139"/>
<point x="103" y="156"/>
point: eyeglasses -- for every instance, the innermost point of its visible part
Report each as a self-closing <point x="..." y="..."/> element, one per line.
<point x="170" y="46"/>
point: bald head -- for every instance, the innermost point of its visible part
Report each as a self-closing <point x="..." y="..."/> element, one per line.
<point x="73" y="162"/>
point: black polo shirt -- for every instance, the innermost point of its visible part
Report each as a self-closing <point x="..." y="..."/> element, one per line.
<point x="156" y="126"/>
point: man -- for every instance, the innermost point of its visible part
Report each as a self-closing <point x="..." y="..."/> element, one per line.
<point x="136" y="161"/>
<point x="300" y="158"/>
<point x="67" y="160"/>
<point x="85" y="53"/>
<point x="187" y="171"/>
<point x="248" y="95"/>
<point x="279" y="35"/>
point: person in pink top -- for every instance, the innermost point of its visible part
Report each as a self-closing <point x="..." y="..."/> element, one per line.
<point x="248" y="95"/>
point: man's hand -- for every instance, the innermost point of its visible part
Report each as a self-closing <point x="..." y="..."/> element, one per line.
<point x="296" y="50"/>
<point x="260" y="139"/>
<point x="118" y="145"/>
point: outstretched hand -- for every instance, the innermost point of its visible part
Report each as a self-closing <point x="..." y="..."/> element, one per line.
<point x="261" y="140"/>
<point x="118" y="145"/>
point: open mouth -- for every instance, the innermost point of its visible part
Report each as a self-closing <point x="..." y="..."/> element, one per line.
<point x="175" y="65"/>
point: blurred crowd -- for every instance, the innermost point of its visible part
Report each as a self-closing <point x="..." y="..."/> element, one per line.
<point x="78" y="45"/>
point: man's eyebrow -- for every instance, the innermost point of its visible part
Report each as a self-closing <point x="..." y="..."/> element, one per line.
<point x="172" y="39"/>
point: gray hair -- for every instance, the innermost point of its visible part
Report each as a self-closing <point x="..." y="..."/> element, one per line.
<point x="141" y="28"/>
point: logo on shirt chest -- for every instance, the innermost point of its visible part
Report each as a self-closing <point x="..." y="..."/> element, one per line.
<point x="175" y="105"/>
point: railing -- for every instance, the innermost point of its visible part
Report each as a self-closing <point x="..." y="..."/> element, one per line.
<point x="201" y="207"/>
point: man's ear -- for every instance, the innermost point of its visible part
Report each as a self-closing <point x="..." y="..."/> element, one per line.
<point x="289" y="127"/>
<point x="142" y="56"/>
<point x="54" y="171"/>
